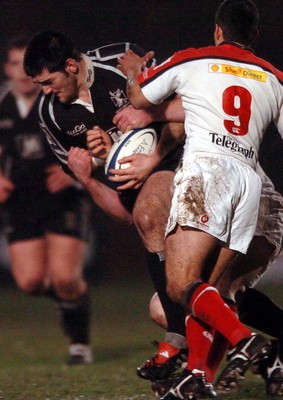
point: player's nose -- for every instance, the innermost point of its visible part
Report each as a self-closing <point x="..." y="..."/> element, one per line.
<point x="47" y="89"/>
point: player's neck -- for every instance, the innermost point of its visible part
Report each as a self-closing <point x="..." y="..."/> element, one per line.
<point x="84" y="95"/>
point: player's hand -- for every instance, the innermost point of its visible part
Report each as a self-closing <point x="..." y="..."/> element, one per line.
<point x="130" y="118"/>
<point x="99" y="142"/>
<point x="57" y="179"/>
<point x="6" y="188"/>
<point x="131" y="64"/>
<point x="80" y="163"/>
<point x="133" y="177"/>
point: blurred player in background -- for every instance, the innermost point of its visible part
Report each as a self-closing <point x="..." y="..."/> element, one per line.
<point x="45" y="214"/>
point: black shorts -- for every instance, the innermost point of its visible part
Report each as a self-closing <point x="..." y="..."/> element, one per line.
<point x="30" y="214"/>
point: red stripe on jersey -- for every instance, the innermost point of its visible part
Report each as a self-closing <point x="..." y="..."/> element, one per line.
<point x="227" y="52"/>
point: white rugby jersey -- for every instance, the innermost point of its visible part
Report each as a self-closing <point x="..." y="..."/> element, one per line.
<point x="230" y="96"/>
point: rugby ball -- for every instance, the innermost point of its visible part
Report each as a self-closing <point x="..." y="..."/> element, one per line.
<point x="143" y="141"/>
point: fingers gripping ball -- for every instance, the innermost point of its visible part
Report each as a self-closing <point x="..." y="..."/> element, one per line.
<point x="141" y="141"/>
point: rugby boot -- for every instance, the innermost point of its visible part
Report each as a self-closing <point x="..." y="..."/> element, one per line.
<point x="248" y="352"/>
<point x="165" y="361"/>
<point x="80" y="354"/>
<point x="162" y="386"/>
<point x="189" y="385"/>
<point x="271" y="369"/>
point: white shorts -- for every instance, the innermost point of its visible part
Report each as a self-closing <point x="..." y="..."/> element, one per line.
<point x="219" y="195"/>
<point x="270" y="216"/>
<point x="270" y="222"/>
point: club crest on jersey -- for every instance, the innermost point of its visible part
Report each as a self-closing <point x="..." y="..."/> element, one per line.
<point x="119" y="98"/>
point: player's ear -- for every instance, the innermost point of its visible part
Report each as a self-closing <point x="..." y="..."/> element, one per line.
<point x="218" y="34"/>
<point x="72" y="66"/>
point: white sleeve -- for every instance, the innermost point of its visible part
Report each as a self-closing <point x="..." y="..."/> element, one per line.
<point x="161" y="86"/>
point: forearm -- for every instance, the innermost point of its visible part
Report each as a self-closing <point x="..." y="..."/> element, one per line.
<point x="108" y="200"/>
<point x="134" y="92"/>
<point x="172" y="135"/>
<point x="168" y="111"/>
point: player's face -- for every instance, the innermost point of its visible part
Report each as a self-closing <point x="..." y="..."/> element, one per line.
<point x="63" y="84"/>
<point x="13" y="68"/>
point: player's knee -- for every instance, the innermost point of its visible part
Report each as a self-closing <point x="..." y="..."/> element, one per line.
<point x="176" y="288"/>
<point x="143" y="220"/>
<point x="32" y="287"/>
<point x="68" y="288"/>
<point x="174" y="291"/>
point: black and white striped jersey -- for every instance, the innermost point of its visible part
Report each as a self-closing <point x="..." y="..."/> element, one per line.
<point x="65" y="125"/>
<point x="24" y="152"/>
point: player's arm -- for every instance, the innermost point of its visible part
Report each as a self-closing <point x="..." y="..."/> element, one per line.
<point x="130" y="118"/>
<point x="80" y="163"/>
<point x="99" y="142"/>
<point x="57" y="179"/>
<point x="132" y="65"/>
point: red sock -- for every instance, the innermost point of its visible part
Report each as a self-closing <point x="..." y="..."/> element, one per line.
<point x="207" y="305"/>
<point x="199" y="337"/>
<point x="218" y="350"/>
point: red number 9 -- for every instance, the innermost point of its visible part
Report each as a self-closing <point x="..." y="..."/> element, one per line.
<point x="237" y="103"/>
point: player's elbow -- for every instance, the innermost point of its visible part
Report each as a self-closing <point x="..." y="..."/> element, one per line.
<point x="137" y="99"/>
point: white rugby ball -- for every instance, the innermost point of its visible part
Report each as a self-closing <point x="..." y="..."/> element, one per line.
<point x="143" y="141"/>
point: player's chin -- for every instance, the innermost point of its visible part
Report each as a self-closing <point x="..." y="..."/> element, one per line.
<point x="64" y="99"/>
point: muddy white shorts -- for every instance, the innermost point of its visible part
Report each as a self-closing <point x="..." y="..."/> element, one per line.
<point x="219" y="195"/>
<point x="270" y="216"/>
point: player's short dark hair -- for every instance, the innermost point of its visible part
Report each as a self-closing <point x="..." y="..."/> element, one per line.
<point x="239" y="20"/>
<point x="49" y="50"/>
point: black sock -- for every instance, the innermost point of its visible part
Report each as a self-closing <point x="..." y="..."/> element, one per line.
<point x="174" y="312"/>
<point x="261" y="313"/>
<point x="75" y="319"/>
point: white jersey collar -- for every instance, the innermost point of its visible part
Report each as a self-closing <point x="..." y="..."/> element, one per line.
<point x="89" y="79"/>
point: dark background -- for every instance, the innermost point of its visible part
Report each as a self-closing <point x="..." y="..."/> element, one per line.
<point x="160" y="25"/>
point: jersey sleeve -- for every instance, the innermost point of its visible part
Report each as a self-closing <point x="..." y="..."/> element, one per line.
<point x="158" y="83"/>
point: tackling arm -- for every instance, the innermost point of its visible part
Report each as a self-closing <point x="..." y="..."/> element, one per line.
<point x="80" y="162"/>
<point x="131" y="65"/>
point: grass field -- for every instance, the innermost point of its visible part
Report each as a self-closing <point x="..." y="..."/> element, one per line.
<point x="33" y="349"/>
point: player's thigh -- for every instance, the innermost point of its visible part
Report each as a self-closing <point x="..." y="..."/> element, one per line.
<point x="246" y="269"/>
<point x="187" y="250"/>
<point x="152" y="208"/>
<point x="28" y="259"/>
<point x="65" y="256"/>
<point x="156" y="192"/>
